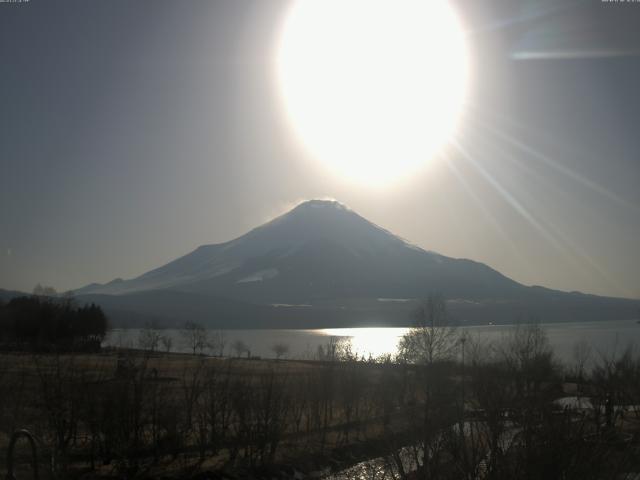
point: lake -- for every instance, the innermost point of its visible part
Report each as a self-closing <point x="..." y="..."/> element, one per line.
<point x="604" y="338"/>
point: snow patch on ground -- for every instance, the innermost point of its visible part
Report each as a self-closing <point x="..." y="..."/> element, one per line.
<point x="290" y="305"/>
<point x="221" y="270"/>
<point x="260" y="276"/>
<point x="462" y="301"/>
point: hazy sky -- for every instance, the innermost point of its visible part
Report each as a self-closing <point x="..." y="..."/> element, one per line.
<point x="133" y="131"/>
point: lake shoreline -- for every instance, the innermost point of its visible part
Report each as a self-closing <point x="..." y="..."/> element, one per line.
<point x="374" y="342"/>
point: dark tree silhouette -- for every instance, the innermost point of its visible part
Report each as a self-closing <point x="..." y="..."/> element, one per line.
<point x="41" y="322"/>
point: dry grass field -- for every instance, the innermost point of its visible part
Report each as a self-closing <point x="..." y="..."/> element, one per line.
<point x="141" y="413"/>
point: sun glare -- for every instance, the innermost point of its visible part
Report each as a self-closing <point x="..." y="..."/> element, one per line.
<point x="373" y="88"/>
<point x="369" y="341"/>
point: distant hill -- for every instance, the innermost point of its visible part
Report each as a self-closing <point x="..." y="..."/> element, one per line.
<point x="322" y="264"/>
<point x="6" y="295"/>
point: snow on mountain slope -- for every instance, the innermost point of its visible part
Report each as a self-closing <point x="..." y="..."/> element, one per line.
<point x="319" y="250"/>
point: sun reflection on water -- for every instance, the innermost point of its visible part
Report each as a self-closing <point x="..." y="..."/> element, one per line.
<point x="367" y="342"/>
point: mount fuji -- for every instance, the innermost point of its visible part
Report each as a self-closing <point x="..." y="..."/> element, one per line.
<point x="321" y="264"/>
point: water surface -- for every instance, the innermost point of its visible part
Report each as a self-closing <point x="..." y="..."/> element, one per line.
<point x="604" y="338"/>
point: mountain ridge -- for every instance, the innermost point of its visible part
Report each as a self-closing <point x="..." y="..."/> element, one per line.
<point x="325" y="256"/>
<point x="315" y="227"/>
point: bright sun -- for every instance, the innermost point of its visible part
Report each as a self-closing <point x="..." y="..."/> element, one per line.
<point x="373" y="88"/>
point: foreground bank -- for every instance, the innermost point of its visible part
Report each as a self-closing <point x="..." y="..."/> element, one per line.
<point x="134" y="414"/>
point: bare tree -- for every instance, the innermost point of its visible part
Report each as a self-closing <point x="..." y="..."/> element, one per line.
<point x="526" y="350"/>
<point x="149" y="337"/>
<point x="581" y="353"/>
<point x="167" y="342"/>
<point x="280" y="350"/>
<point x="58" y="397"/>
<point x="337" y="348"/>
<point x="433" y="338"/>
<point x="194" y="336"/>
<point x="239" y="347"/>
<point x="217" y="343"/>
<point x="614" y="376"/>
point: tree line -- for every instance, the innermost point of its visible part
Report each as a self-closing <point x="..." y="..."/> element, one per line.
<point x="45" y="323"/>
